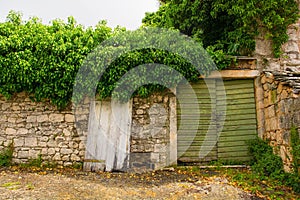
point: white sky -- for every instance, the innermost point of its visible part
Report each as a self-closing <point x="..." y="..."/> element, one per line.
<point x="127" y="13"/>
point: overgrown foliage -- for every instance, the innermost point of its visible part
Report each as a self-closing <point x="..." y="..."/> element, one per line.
<point x="6" y="156"/>
<point x="145" y="61"/>
<point x="268" y="165"/>
<point x="43" y="60"/>
<point x="295" y="143"/>
<point x="228" y="25"/>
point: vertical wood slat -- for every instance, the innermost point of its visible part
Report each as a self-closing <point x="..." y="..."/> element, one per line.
<point x="238" y="108"/>
<point x="240" y="124"/>
<point x="202" y="147"/>
<point x="108" y="139"/>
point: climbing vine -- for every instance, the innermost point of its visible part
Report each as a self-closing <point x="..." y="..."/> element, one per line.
<point x="228" y="25"/>
<point x="44" y="60"/>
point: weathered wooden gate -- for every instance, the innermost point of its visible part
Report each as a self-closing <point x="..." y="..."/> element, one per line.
<point x="107" y="146"/>
<point x="225" y="142"/>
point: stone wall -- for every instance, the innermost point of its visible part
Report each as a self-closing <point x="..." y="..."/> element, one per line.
<point x="280" y="81"/>
<point x="150" y="135"/>
<point x="38" y="128"/>
<point x="282" y="111"/>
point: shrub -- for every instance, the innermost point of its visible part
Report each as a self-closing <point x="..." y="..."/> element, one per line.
<point x="264" y="162"/>
<point x="6" y="156"/>
<point x="269" y="165"/>
<point x="295" y="143"/>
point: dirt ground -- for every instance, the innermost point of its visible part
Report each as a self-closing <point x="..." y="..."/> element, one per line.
<point x="75" y="184"/>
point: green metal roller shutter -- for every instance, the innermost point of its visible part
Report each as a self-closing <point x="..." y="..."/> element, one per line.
<point x="240" y="124"/>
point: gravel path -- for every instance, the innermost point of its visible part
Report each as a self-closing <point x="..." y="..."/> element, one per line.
<point x="81" y="185"/>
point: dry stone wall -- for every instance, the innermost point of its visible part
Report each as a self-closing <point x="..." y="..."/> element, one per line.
<point x="39" y="129"/>
<point x="282" y="111"/>
<point x="150" y="135"/>
<point x="280" y="81"/>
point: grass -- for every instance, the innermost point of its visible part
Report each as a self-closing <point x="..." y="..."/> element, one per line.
<point x="264" y="187"/>
<point x="245" y="179"/>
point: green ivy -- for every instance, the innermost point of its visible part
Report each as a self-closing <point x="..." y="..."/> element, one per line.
<point x="228" y="25"/>
<point x="44" y="60"/>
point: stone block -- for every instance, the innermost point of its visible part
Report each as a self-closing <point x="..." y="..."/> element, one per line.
<point x="279" y="88"/>
<point x="42" y="118"/>
<point x="73" y="145"/>
<point x="62" y="145"/>
<point x="148" y="148"/>
<point x="81" y="117"/>
<point x="44" y="139"/>
<point x="267" y="125"/>
<point x="154" y="157"/>
<point x="23" y="154"/>
<point x="68" y="164"/>
<point x="279" y="137"/>
<point x="292" y="33"/>
<point x="291" y="47"/>
<point x="263" y="47"/>
<point x="12" y="120"/>
<point x="57" y="157"/>
<point x="18" y="142"/>
<point x="82" y="145"/>
<point x="74" y="157"/>
<point x="284" y="94"/>
<point x="81" y="153"/>
<point x="65" y="158"/>
<point x="22" y="131"/>
<point x="263" y="79"/>
<point x="160" y="148"/>
<point x="282" y="153"/>
<point x="66" y="132"/>
<point x="42" y="144"/>
<point x="159" y="98"/>
<point x="44" y="151"/>
<point x="6" y="106"/>
<point x="56" y="118"/>
<point x="3" y="118"/>
<point x="32" y="153"/>
<point x="266" y="86"/>
<point x="270" y="112"/>
<point x="51" y="151"/>
<point x="286" y="137"/>
<point x="31" y="119"/>
<point x="65" y="151"/>
<point x="69" y="118"/>
<point x="31" y="142"/>
<point x="10" y="131"/>
<point x="15" y="107"/>
<point x="59" y="139"/>
<point x="139" y="112"/>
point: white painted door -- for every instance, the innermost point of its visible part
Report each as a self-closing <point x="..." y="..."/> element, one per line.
<point x="108" y="139"/>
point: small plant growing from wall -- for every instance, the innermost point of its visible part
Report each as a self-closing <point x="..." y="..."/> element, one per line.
<point x="295" y="143"/>
<point x="6" y="156"/>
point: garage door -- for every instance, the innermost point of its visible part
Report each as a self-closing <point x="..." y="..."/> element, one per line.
<point x="212" y="141"/>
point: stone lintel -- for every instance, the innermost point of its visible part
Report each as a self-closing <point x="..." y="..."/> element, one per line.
<point x="233" y="74"/>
